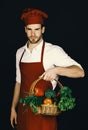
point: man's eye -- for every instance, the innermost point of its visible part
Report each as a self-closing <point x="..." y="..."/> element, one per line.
<point x="28" y="29"/>
<point x="37" y="29"/>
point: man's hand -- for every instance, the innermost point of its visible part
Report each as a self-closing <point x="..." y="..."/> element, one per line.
<point x="50" y="74"/>
<point x="13" y="118"/>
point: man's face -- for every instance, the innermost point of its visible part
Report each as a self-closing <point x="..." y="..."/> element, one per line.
<point x="34" y="32"/>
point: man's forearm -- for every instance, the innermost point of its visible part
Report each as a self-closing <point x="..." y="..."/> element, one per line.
<point x="72" y="71"/>
<point x="16" y="95"/>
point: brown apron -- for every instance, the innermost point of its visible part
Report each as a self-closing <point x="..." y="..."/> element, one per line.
<point x="28" y="120"/>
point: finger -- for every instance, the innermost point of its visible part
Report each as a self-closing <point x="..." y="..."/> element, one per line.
<point x="12" y="124"/>
<point x="16" y="120"/>
<point x="42" y="76"/>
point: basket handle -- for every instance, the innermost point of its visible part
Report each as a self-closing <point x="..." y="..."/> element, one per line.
<point x="31" y="92"/>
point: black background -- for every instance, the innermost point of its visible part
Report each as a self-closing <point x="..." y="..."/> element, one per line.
<point x="67" y="26"/>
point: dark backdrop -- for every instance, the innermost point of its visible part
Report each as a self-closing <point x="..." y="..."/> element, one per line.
<point x="67" y="26"/>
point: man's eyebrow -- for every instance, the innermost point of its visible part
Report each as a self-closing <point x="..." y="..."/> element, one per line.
<point x="37" y="28"/>
<point x="31" y="28"/>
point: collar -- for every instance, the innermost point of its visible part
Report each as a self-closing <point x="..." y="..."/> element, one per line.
<point x="37" y="48"/>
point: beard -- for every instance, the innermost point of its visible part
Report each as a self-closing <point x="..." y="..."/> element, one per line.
<point x="35" y="40"/>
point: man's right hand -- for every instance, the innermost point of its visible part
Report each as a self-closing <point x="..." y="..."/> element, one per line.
<point x="13" y="118"/>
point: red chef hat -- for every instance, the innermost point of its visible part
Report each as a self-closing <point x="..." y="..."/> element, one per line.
<point x="33" y="16"/>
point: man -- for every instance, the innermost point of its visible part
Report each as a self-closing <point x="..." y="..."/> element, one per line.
<point x="38" y="59"/>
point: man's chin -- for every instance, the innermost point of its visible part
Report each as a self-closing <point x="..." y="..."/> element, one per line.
<point x="33" y="41"/>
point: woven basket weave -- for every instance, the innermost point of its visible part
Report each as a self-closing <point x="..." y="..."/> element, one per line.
<point x="46" y="109"/>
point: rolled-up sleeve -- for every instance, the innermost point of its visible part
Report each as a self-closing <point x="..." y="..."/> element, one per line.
<point x="63" y="59"/>
<point x="18" y="75"/>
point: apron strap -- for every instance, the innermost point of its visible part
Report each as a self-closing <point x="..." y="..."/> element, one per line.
<point x="22" y="54"/>
<point x="42" y="53"/>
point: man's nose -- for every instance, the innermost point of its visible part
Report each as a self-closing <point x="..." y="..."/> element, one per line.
<point x="32" y="33"/>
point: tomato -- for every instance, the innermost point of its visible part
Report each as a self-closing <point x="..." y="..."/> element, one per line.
<point x="38" y="91"/>
<point x="48" y="101"/>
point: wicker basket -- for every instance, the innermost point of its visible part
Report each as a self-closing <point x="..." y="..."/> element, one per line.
<point x="50" y="110"/>
<point x="46" y="109"/>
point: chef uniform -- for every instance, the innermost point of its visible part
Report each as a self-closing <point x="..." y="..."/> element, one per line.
<point x="30" y="72"/>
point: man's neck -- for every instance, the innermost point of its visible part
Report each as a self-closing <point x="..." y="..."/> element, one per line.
<point x="31" y="46"/>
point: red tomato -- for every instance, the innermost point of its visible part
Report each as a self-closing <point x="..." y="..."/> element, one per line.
<point x="38" y="92"/>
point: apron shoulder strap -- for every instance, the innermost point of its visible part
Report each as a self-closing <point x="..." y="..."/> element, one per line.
<point x="42" y="53"/>
<point x="22" y="55"/>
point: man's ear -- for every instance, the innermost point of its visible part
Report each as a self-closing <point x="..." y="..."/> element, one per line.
<point x="43" y="29"/>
